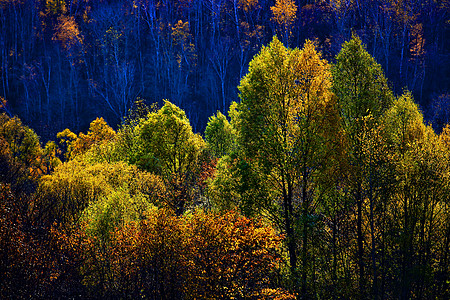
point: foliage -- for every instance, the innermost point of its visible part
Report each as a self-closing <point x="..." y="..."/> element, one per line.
<point x="76" y="184"/>
<point x="220" y="135"/>
<point x="359" y="83"/>
<point x="363" y="97"/>
<point x="404" y="122"/>
<point x="287" y="114"/>
<point x="284" y="12"/>
<point x="49" y="159"/>
<point x="23" y="143"/>
<point x="200" y="256"/>
<point x="171" y="150"/>
<point x="346" y="185"/>
<point x="31" y="262"/>
<point x="66" y="62"/>
<point x="170" y="146"/>
<point x="223" y="188"/>
<point x="284" y="15"/>
<point x="115" y="210"/>
<point x="99" y="132"/>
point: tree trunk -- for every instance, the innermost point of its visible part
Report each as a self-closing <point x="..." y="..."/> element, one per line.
<point x="360" y="242"/>
<point x="288" y="209"/>
<point x="305" y="234"/>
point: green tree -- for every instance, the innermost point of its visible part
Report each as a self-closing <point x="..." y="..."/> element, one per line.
<point x="359" y="84"/>
<point x="127" y="145"/>
<point x="419" y="200"/>
<point x="172" y="150"/>
<point x="220" y="135"/>
<point x="363" y="96"/>
<point x="77" y="184"/>
<point x="287" y="115"/>
<point x="116" y="209"/>
<point x="49" y="159"/>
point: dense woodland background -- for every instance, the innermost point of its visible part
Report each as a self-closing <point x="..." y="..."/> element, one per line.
<point x="327" y="178"/>
<point x="64" y="63"/>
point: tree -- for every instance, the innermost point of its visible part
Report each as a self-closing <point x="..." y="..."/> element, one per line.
<point x="24" y="263"/>
<point x="223" y="187"/>
<point x="99" y="132"/>
<point x="419" y="200"/>
<point x="284" y="14"/>
<point x="359" y="83"/>
<point x="49" y="159"/>
<point x="171" y="150"/>
<point x="363" y="96"/>
<point x="287" y="113"/>
<point x="220" y="135"/>
<point x="76" y="185"/>
<point x="23" y="142"/>
<point x="231" y="256"/>
<point x="196" y="256"/>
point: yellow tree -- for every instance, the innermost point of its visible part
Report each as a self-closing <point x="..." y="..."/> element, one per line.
<point x="287" y="116"/>
<point x="199" y="256"/>
<point x="284" y="15"/>
<point x="68" y="33"/>
<point x="420" y="200"/>
<point x="23" y="143"/>
<point x="99" y="132"/>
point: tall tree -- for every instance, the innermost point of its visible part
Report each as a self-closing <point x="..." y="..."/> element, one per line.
<point x="363" y="96"/>
<point x="287" y="109"/>
<point x="419" y="198"/>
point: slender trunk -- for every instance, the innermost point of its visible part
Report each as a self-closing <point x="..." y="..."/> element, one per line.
<point x="383" y="247"/>
<point x="406" y="252"/>
<point x="372" y="236"/>
<point x="402" y="51"/>
<point x="360" y="242"/>
<point x="288" y="209"/>
<point x="334" y="275"/>
<point x="373" y="252"/>
<point x="238" y="34"/>
<point x="47" y="91"/>
<point x="5" y="68"/>
<point x="444" y="285"/>
<point x="222" y="81"/>
<point x="60" y="88"/>
<point x="305" y="234"/>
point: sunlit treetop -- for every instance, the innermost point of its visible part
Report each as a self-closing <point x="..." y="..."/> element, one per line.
<point x="404" y="121"/>
<point x="22" y="141"/>
<point x="359" y="83"/>
<point x="284" y="12"/>
<point x="99" y="132"/>
<point x="220" y="135"/>
<point x="170" y="147"/>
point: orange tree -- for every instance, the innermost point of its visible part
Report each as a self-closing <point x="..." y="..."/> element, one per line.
<point x="197" y="256"/>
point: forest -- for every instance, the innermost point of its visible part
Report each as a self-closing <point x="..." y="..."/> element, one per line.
<point x="239" y="149"/>
<point x="64" y="63"/>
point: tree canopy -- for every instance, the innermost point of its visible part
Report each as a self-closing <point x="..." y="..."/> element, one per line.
<point x="321" y="183"/>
